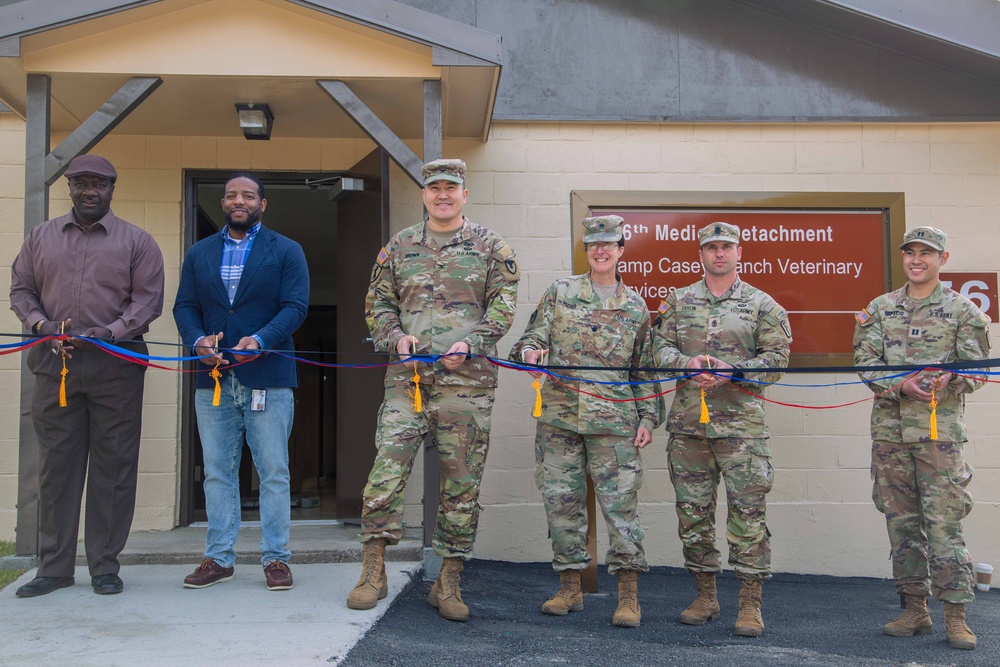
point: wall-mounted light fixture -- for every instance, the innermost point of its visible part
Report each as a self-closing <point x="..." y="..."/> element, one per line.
<point x="256" y="120"/>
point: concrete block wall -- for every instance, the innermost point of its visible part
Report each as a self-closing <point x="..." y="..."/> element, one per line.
<point x="11" y="235"/>
<point x="820" y="511"/>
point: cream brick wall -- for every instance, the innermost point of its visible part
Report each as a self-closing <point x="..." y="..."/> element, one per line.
<point x="821" y="515"/>
<point x="820" y="511"/>
<point x="11" y="234"/>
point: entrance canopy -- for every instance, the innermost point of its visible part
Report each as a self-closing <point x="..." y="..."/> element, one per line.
<point x="325" y="68"/>
<point x="213" y="54"/>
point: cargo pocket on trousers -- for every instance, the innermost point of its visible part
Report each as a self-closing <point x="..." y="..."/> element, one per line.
<point x="877" y="491"/>
<point x="959" y="503"/>
<point x="539" y="461"/>
<point x="629" y="467"/>
<point x="479" y="442"/>
<point x="760" y="475"/>
<point x="379" y="427"/>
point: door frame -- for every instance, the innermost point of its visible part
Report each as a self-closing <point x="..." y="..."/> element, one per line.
<point x="188" y="436"/>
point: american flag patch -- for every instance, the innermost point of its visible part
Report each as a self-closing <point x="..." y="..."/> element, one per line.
<point x="863" y="316"/>
<point x="382" y="256"/>
<point x="664" y="307"/>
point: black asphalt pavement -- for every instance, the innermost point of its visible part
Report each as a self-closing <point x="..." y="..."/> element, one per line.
<point x="810" y="620"/>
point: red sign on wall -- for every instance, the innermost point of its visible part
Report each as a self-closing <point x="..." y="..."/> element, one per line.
<point x="980" y="288"/>
<point x="821" y="266"/>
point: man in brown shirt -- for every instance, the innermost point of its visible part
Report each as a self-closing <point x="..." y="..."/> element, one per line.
<point x="89" y="274"/>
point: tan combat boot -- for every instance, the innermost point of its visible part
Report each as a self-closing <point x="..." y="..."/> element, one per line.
<point x="959" y="634"/>
<point x="446" y="595"/>
<point x="569" y="598"/>
<point x="373" y="585"/>
<point x="749" y="622"/>
<point x="628" y="614"/>
<point x="706" y="605"/>
<point x="914" y="621"/>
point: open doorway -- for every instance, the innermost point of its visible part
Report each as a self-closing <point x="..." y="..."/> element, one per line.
<point x="340" y="220"/>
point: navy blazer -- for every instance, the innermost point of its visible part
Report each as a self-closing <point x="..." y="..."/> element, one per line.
<point x="271" y="302"/>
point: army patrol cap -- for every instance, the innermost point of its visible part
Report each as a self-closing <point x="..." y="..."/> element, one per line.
<point x="719" y="231"/>
<point x="603" y="228"/>
<point x="444" y="170"/>
<point x="929" y="236"/>
<point x="93" y="165"/>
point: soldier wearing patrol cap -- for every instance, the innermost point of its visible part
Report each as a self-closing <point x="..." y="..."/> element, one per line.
<point x="593" y="320"/>
<point x="920" y="476"/>
<point x="728" y="334"/>
<point x="445" y="288"/>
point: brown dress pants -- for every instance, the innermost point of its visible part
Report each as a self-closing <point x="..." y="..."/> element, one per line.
<point x="94" y="438"/>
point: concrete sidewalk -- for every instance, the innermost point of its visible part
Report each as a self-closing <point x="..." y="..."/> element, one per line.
<point x="156" y="621"/>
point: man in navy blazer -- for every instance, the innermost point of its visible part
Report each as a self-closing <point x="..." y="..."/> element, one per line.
<point x="242" y="290"/>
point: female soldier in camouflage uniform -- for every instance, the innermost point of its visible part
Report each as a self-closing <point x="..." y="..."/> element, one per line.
<point x="593" y="320"/>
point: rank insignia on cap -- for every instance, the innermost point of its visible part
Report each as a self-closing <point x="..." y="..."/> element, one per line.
<point x="863" y="316"/>
<point x="382" y="256"/>
<point x="718" y="229"/>
<point x="664" y="307"/>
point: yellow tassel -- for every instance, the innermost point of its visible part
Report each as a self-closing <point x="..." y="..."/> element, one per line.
<point x="62" y="383"/>
<point x="537" y="412"/>
<point x="217" y="394"/>
<point x="418" y="400"/>
<point x="934" y="433"/>
<point x="704" y="410"/>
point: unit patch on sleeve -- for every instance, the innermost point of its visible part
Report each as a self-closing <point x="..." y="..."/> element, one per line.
<point x="504" y="256"/>
<point x="383" y="257"/>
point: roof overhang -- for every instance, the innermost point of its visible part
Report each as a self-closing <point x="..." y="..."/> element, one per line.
<point x="212" y="54"/>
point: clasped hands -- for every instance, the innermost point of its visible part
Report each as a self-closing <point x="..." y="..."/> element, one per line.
<point x="709" y="380"/>
<point x="920" y="385"/>
<point x="207" y="348"/>
<point x="452" y="359"/>
<point x="51" y="328"/>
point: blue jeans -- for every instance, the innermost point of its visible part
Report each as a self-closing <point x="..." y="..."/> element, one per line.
<point x="222" y="429"/>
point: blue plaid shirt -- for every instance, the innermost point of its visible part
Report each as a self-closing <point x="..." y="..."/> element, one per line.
<point x="234" y="258"/>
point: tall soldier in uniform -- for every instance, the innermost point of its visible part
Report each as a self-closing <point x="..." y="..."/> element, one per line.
<point x="733" y="332"/>
<point x="443" y="287"/>
<point x="920" y="476"/>
<point x="593" y="320"/>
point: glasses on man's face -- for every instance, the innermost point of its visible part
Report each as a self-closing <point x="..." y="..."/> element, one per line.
<point x="606" y="246"/>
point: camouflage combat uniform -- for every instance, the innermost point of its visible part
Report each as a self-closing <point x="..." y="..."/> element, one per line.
<point x="578" y="433"/>
<point x="919" y="483"/>
<point x="465" y="290"/>
<point x="749" y="330"/>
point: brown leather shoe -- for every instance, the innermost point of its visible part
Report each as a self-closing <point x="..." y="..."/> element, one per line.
<point x="279" y="577"/>
<point x="208" y="574"/>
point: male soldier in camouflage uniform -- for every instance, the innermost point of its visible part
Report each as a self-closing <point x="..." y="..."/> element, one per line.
<point x="919" y="480"/>
<point x="593" y="320"/>
<point x="443" y="287"/>
<point x="723" y="324"/>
